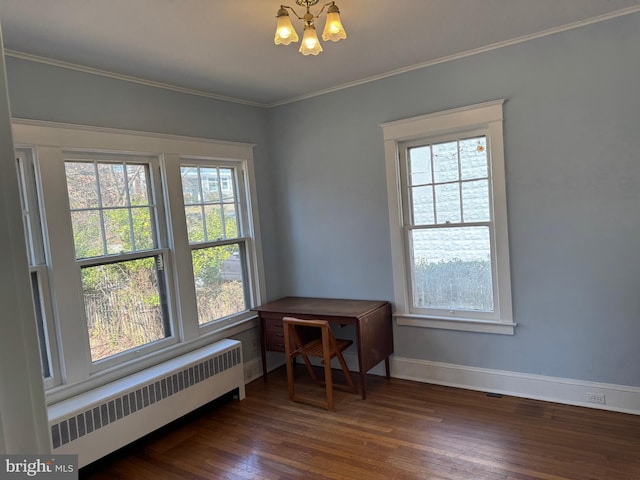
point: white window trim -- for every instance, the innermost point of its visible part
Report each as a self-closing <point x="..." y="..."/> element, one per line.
<point x="36" y="244"/>
<point x="48" y="140"/>
<point x="487" y="116"/>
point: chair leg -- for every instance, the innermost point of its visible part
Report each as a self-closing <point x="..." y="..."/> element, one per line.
<point x="289" y="360"/>
<point x="328" y="381"/>
<point x="307" y="363"/>
<point x="346" y="371"/>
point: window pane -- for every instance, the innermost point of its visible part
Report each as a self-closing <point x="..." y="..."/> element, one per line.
<point x="27" y="214"/>
<point x="87" y="234"/>
<point x="195" y="224"/>
<point x="230" y="221"/>
<point x="422" y="205"/>
<point x="108" y="226"/>
<point x="138" y="185"/>
<point x="81" y="185"/>
<point x="40" y="325"/>
<point x="209" y="179"/>
<point x="219" y="282"/>
<point x="473" y="158"/>
<point x="112" y="185"/>
<point x="190" y="185"/>
<point x="445" y="162"/>
<point x="227" y="185"/>
<point x="125" y="306"/>
<point x="143" y="228"/>
<point x="117" y="229"/>
<point x="475" y="201"/>
<point x="451" y="268"/>
<point x="448" y="203"/>
<point x="213" y="218"/>
<point x="420" y="165"/>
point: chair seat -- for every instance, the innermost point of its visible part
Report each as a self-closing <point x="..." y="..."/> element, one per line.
<point x="315" y="348"/>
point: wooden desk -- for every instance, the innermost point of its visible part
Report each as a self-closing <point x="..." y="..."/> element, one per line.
<point x="372" y="321"/>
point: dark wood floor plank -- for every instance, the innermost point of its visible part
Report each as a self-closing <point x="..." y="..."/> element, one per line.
<point x="403" y="431"/>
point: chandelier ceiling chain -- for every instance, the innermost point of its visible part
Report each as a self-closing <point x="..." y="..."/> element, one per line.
<point x="333" y="29"/>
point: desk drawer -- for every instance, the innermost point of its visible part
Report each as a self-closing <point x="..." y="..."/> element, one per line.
<point x="275" y="341"/>
<point x="274" y="334"/>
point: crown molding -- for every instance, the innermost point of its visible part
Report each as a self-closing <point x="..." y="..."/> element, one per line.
<point x="127" y="78"/>
<point x="399" y="71"/>
<point x="467" y="53"/>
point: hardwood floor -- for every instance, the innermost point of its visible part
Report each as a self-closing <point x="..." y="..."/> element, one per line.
<point x="404" y="430"/>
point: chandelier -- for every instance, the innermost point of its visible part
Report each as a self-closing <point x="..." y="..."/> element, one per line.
<point x="333" y="29"/>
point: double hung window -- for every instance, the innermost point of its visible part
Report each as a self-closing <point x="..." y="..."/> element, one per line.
<point x="215" y="224"/>
<point x="113" y="208"/>
<point x="135" y="257"/>
<point x="36" y="255"/>
<point x="448" y="213"/>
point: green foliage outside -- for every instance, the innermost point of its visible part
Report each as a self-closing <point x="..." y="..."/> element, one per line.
<point x="216" y="296"/>
<point x="453" y="285"/>
<point x="122" y="300"/>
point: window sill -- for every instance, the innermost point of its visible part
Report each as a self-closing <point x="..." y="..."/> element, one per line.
<point x="466" y="325"/>
<point x="132" y="367"/>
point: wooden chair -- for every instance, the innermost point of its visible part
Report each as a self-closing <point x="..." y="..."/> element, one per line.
<point x="325" y="346"/>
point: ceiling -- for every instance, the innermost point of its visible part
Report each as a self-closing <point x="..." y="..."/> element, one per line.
<point x="224" y="48"/>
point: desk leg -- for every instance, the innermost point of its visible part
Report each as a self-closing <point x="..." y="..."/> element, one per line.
<point x="263" y="350"/>
<point x="361" y="367"/>
<point x="386" y="367"/>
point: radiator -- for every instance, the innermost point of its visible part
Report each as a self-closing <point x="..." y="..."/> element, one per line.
<point x="99" y="422"/>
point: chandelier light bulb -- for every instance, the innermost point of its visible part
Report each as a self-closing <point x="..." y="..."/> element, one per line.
<point x="310" y="44"/>
<point x="285" y="33"/>
<point x="333" y="29"/>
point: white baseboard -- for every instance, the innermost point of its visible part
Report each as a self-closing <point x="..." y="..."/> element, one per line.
<point x="619" y="398"/>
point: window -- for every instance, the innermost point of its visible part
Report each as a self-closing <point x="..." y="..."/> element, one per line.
<point x="448" y="220"/>
<point x="215" y="229"/>
<point x="114" y="221"/>
<point x="37" y="263"/>
<point x="147" y="256"/>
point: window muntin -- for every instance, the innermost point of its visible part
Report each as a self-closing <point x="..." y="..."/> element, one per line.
<point x="113" y="216"/>
<point x="50" y="145"/>
<point x="210" y="202"/>
<point x="448" y="220"/>
<point x="448" y="190"/>
<point x="214" y="216"/>
<point x="111" y="205"/>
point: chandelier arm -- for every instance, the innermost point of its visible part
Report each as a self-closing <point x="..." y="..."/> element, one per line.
<point x="323" y="7"/>
<point x="294" y="12"/>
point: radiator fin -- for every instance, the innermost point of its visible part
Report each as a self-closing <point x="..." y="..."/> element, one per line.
<point x="128" y="403"/>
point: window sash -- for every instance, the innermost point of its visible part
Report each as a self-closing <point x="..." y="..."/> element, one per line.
<point x="410" y="226"/>
<point x="441" y="127"/>
<point x="238" y="188"/>
<point x="41" y="293"/>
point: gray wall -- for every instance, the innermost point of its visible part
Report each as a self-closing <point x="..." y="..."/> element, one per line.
<point x="572" y="151"/>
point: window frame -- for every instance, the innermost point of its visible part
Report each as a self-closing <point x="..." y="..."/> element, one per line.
<point x="485" y="119"/>
<point x="159" y="250"/>
<point x="49" y="141"/>
<point x="38" y="263"/>
<point x="244" y="238"/>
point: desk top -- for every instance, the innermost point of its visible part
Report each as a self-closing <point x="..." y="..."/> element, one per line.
<point x="334" y="307"/>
